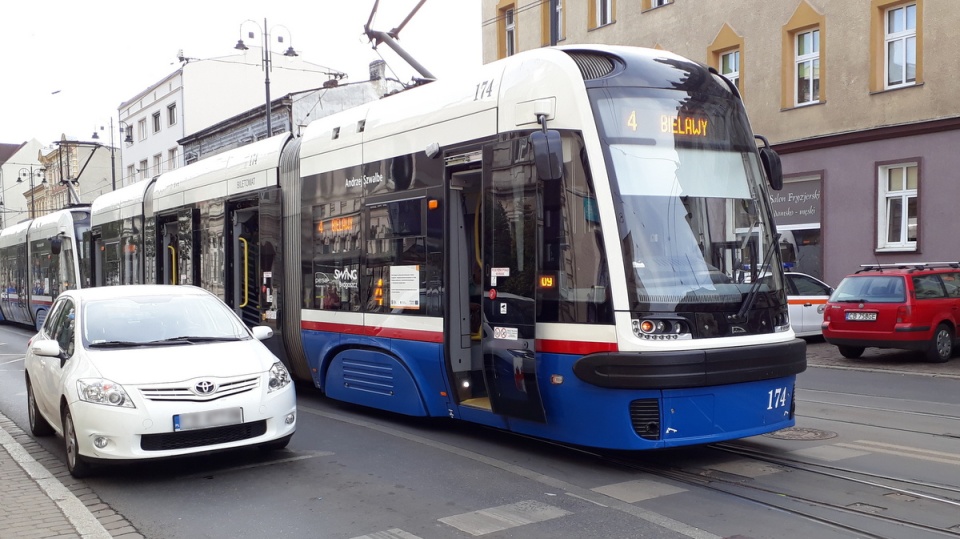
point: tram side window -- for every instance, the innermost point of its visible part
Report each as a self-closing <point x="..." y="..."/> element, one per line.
<point x="577" y="261"/>
<point x="336" y="256"/>
<point x="404" y="261"/>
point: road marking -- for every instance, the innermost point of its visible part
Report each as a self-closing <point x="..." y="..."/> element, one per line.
<point x="638" y="512"/>
<point x="904" y="451"/>
<point x="313" y="454"/>
<point x="829" y="453"/>
<point x="394" y="533"/>
<point x="504" y="517"/>
<point x="638" y="491"/>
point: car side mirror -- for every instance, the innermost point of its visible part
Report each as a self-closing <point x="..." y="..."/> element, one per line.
<point x="46" y="348"/>
<point x="547" y="154"/>
<point x="262" y="333"/>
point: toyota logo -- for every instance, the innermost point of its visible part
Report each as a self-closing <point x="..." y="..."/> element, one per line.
<point x="205" y="387"/>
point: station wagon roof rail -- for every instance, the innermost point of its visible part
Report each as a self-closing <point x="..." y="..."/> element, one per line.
<point x="908" y="265"/>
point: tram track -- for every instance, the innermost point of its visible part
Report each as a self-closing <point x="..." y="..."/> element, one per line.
<point x="857" y="519"/>
<point x="840" y="516"/>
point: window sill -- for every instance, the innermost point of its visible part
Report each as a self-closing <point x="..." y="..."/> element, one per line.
<point x="602" y="26"/>
<point x="897" y="88"/>
<point x="905" y="249"/>
<point x="804" y="106"/>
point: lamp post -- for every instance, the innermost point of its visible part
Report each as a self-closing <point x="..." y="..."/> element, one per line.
<point x="266" y="62"/>
<point x="30" y="175"/>
<point x="113" y="165"/>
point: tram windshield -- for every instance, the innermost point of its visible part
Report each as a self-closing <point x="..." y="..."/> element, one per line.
<point x="687" y="185"/>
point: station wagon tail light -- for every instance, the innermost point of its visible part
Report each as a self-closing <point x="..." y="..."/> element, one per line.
<point x="279" y="377"/>
<point x="903" y="314"/>
<point x="103" y="391"/>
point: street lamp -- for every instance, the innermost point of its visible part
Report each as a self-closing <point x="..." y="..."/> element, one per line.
<point x="113" y="165"/>
<point x="265" y="33"/>
<point x="23" y="173"/>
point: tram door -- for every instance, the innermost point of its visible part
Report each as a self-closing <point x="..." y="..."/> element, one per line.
<point x="509" y="276"/>
<point x="244" y="289"/>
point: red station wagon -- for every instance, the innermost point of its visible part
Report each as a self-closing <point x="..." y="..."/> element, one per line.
<point x="911" y="306"/>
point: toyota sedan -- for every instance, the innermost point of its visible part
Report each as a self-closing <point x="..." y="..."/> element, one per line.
<point x="154" y="371"/>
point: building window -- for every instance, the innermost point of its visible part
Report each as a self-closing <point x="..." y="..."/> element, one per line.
<point x="803" y="65"/>
<point x="552" y="25"/>
<point x="172" y="114"/>
<point x="157" y="164"/>
<point x="604" y="12"/>
<point x="897" y="207"/>
<point x="730" y="67"/>
<point x="900" y="39"/>
<point x="143" y="169"/>
<point x="807" y="67"/>
<point x="142" y="129"/>
<point x="506" y="29"/>
<point x="658" y="3"/>
<point x="173" y="156"/>
<point x="128" y="134"/>
<point x="725" y="55"/>
<point x="156" y="122"/>
<point x="131" y="173"/>
<point x="896" y="44"/>
<point x="511" y="34"/>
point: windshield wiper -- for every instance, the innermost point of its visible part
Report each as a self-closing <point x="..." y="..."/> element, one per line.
<point x="751" y="298"/>
<point x="190" y="339"/>
<point x="115" y="344"/>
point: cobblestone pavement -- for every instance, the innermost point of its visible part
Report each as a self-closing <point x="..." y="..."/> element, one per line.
<point x="39" y="499"/>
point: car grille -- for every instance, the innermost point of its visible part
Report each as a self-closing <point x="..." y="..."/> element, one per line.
<point x="186" y="391"/>
<point x="645" y="416"/>
<point x="202" y="437"/>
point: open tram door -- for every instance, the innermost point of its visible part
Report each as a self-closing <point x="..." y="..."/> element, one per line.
<point x="243" y="290"/>
<point x="509" y="273"/>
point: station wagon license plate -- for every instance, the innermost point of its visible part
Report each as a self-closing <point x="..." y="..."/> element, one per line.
<point x="861" y="317"/>
<point x="205" y="420"/>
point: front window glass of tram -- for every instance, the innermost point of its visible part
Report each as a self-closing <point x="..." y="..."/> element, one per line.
<point x="686" y="175"/>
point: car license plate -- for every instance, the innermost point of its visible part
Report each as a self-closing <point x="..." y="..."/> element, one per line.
<point x="210" y="418"/>
<point x="861" y="317"/>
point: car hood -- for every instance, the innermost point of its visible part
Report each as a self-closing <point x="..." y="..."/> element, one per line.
<point x="154" y="365"/>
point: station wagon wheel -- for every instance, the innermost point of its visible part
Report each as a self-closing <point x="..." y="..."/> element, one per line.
<point x="77" y="466"/>
<point x="941" y="347"/>
<point x="38" y="425"/>
<point x="850" y="352"/>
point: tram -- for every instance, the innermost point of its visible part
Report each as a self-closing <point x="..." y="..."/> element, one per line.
<point x="573" y="243"/>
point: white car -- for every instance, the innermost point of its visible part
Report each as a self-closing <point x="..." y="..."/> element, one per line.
<point x="807" y="296"/>
<point x="151" y="371"/>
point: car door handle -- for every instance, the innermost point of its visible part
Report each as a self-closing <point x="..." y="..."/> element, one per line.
<point x="808" y="304"/>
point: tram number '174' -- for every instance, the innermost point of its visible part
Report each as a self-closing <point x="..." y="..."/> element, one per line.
<point x="776" y="398"/>
<point x="484" y="89"/>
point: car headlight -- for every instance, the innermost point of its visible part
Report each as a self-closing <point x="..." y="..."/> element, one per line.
<point x="279" y="377"/>
<point x="103" y="391"/>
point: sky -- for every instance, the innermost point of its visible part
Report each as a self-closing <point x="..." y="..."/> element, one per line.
<point x="70" y="64"/>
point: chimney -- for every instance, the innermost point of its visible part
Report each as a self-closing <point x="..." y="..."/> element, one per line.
<point x="378" y="70"/>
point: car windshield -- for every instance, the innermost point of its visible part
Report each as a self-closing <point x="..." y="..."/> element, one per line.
<point x="154" y="319"/>
<point x="870" y="288"/>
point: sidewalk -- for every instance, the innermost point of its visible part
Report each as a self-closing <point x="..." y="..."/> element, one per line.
<point x="34" y="503"/>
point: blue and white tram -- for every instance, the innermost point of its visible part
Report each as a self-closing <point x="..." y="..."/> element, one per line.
<point x="39" y="259"/>
<point x="573" y="243"/>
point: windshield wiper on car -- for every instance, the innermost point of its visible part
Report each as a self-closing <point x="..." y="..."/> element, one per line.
<point x="115" y="344"/>
<point x="190" y="339"/>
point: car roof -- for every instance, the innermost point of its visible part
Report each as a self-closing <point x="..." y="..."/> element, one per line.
<point x="135" y="290"/>
<point x="906" y="268"/>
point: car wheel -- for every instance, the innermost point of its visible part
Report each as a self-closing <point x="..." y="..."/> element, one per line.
<point x="276" y="445"/>
<point x="941" y="347"/>
<point x="77" y="466"/>
<point x="38" y="425"/>
<point x="851" y="352"/>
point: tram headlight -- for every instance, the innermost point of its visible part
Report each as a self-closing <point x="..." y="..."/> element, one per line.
<point x="662" y="329"/>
